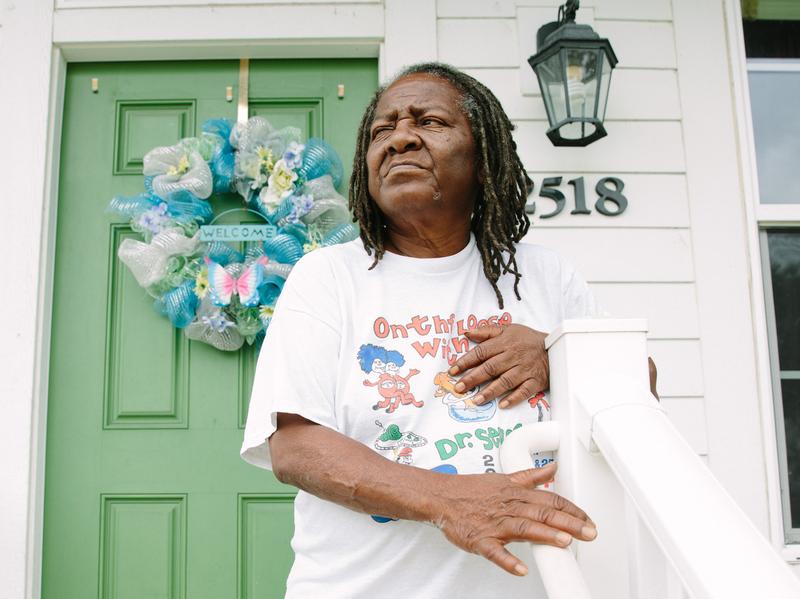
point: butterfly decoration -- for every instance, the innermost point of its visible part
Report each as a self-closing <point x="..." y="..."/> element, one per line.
<point x="222" y="285"/>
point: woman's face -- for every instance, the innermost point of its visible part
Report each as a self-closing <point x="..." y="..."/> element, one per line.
<point x="422" y="158"/>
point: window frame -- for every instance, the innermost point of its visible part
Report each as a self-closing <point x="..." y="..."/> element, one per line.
<point x="791" y="534"/>
<point x="770" y="216"/>
<point x="743" y="122"/>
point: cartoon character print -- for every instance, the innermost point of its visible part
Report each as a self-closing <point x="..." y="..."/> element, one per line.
<point x="539" y="402"/>
<point x="400" y="443"/>
<point x="460" y="406"/>
<point x="394" y="389"/>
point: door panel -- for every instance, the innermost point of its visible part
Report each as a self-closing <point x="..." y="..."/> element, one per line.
<point x="146" y="496"/>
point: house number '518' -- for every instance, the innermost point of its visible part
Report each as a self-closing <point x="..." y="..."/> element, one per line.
<point x="610" y="201"/>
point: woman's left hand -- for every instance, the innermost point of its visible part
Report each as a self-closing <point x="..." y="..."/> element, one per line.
<point x="512" y="357"/>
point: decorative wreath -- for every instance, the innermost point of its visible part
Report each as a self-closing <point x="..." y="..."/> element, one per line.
<point x="216" y="292"/>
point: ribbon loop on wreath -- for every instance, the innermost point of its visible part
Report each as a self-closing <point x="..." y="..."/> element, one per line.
<point x="148" y="261"/>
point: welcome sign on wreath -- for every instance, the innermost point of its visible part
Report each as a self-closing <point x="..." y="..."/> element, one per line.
<point x="217" y="282"/>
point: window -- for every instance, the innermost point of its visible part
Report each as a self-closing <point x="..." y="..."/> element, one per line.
<point x="781" y="255"/>
<point x="772" y="44"/>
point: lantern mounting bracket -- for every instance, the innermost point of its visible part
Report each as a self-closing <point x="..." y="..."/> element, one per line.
<point x="566" y="12"/>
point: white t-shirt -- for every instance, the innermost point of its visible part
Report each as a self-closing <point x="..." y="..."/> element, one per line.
<point x="366" y="353"/>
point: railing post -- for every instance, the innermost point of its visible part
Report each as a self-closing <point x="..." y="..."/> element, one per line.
<point x="617" y="443"/>
<point x="581" y="353"/>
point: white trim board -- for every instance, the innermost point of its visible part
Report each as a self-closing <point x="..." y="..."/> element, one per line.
<point x="45" y="304"/>
<point x="778" y="215"/>
<point x="29" y="116"/>
<point x="758" y="315"/>
<point x="721" y="263"/>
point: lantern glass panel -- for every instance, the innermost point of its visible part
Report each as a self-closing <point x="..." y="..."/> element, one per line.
<point x="581" y="82"/>
<point x="605" y="82"/>
<point x="551" y="80"/>
<point x="581" y="75"/>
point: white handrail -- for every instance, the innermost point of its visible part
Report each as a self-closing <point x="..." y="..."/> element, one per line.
<point x="560" y="574"/>
<point x="616" y="447"/>
<point x="716" y="550"/>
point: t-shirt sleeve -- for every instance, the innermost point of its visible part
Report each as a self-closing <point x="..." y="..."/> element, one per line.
<point x="297" y="366"/>
<point x="579" y="301"/>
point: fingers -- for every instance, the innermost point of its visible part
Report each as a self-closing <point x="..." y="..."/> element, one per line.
<point x="504" y="382"/>
<point x="485" y="372"/>
<point x="495" y="552"/>
<point x="653" y="371"/>
<point x="534" y="477"/>
<point x="559" y="503"/>
<point x="484" y="333"/>
<point x="525" y="529"/>
<point x="559" y="521"/>
<point x="523" y="392"/>
<point x="519" y="513"/>
<point x="477" y="355"/>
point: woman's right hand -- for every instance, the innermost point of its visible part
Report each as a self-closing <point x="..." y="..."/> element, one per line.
<point x="481" y="513"/>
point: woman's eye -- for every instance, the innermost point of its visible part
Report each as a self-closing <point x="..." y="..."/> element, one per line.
<point x="378" y="131"/>
<point x="429" y="121"/>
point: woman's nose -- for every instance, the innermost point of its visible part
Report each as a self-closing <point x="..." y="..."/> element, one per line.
<point x="403" y="139"/>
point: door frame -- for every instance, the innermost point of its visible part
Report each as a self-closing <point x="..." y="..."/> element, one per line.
<point x="370" y="29"/>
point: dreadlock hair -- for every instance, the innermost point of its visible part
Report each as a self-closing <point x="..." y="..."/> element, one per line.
<point x="499" y="220"/>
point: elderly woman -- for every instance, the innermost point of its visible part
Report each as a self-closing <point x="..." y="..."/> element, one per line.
<point x="357" y="399"/>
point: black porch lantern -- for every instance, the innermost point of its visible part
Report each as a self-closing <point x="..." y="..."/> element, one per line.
<point x="573" y="65"/>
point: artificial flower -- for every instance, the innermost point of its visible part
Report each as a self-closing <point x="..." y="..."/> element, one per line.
<point x="293" y="156"/>
<point x="282" y="179"/>
<point x="172" y="168"/>
<point x="217" y="321"/>
<point x="269" y="200"/>
<point x="181" y="167"/>
<point x="201" y="283"/>
<point x="311" y="246"/>
<point x="250" y="167"/>
<point x="266" y="158"/>
<point x="265" y="313"/>
<point x="154" y="220"/>
<point x="301" y="205"/>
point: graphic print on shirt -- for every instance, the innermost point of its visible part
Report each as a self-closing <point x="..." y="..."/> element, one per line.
<point x="540" y="403"/>
<point x="488" y="439"/>
<point x="460" y="406"/>
<point x="435" y="337"/>
<point x="400" y="443"/>
<point x="394" y="389"/>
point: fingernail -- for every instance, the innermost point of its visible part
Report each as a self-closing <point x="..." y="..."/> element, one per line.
<point x="504" y="403"/>
<point x="589" y="532"/>
<point x="478" y="399"/>
<point x="563" y="538"/>
<point x="520" y="569"/>
<point x="453" y="370"/>
<point x="460" y="387"/>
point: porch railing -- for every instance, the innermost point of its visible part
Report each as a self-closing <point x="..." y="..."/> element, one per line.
<point x="667" y="528"/>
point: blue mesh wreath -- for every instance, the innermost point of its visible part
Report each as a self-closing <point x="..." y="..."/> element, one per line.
<point x="217" y="293"/>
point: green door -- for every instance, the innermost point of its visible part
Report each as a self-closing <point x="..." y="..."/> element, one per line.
<point x="146" y="496"/>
